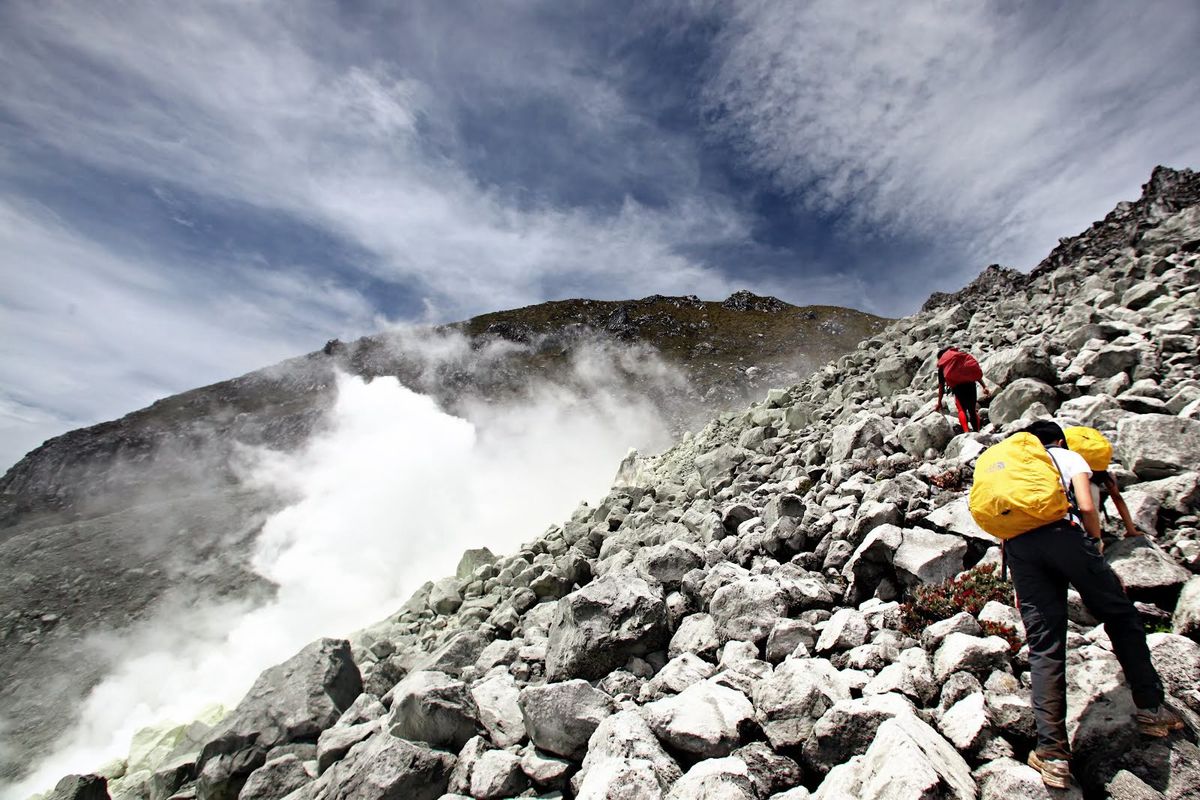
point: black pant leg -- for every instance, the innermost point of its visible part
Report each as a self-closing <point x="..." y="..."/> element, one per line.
<point x="1105" y="598"/>
<point x="967" y="397"/>
<point x="1042" y="596"/>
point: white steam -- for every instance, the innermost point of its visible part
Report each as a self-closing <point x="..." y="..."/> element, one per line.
<point x="386" y="498"/>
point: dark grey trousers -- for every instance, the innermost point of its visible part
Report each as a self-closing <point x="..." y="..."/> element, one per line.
<point x="1043" y="562"/>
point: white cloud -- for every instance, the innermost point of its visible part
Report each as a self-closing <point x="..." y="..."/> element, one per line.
<point x="997" y="128"/>
<point x="270" y="105"/>
<point x="88" y="334"/>
<point x="203" y="97"/>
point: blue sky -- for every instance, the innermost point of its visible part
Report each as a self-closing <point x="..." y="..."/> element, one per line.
<point x="191" y="191"/>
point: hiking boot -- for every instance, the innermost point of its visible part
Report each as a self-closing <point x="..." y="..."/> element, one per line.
<point x="1055" y="772"/>
<point x="1158" y="721"/>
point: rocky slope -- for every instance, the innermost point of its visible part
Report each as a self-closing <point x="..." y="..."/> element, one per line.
<point x="103" y="527"/>
<point x="728" y="622"/>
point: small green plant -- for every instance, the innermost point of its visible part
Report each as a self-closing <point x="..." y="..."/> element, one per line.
<point x="1158" y="626"/>
<point x="969" y="592"/>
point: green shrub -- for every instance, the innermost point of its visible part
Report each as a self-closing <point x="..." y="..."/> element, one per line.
<point x="969" y="592"/>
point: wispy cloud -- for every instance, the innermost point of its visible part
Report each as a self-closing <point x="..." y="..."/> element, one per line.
<point x="269" y="106"/>
<point x="993" y="128"/>
<point x="87" y="333"/>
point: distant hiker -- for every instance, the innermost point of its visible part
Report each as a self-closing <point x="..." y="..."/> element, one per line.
<point x="960" y="371"/>
<point x="1097" y="452"/>
<point x="1017" y="487"/>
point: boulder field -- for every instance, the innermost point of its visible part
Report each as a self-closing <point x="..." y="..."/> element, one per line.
<point x="728" y="622"/>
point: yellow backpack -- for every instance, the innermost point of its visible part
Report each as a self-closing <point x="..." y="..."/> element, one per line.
<point x="1091" y="444"/>
<point x="1017" y="488"/>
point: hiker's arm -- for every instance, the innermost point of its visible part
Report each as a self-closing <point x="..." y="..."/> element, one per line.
<point x="986" y="391"/>
<point x="941" y="387"/>
<point x="1115" y="493"/>
<point x="1086" y="505"/>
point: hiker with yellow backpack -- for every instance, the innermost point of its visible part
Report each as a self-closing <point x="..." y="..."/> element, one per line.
<point x="1035" y="494"/>
<point x="1097" y="452"/>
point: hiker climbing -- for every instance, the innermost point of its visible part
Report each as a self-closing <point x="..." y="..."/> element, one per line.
<point x="960" y="372"/>
<point x="1097" y="452"/>
<point x="1035" y="494"/>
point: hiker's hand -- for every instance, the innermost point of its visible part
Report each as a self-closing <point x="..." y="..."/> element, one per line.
<point x="987" y="392"/>
<point x="1132" y="532"/>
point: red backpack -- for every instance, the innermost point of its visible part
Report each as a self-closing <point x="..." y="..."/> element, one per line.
<point x="959" y="367"/>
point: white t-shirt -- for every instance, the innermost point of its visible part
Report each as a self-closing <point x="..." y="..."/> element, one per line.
<point x="1069" y="464"/>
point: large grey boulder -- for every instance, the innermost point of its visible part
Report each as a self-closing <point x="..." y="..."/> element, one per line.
<point x="497" y="774"/>
<point x="910" y="676"/>
<point x="337" y="741"/>
<point x="1179" y="493"/>
<point x="846" y="629"/>
<point x="960" y="652"/>
<point x="1107" y="361"/>
<point x="1096" y="410"/>
<point x="496" y="698"/>
<point x="1177" y="660"/>
<point x="678" y="674"/>
<point x="715" y="779"/>
<point x="1128" y="786"/>
<point x="794" y="697"/>
<point x="848" y="727"/>
<point x="626" y="736"/>
<point x="561" y="717"/>
<point x="748" y="609"/>
<point x="290" y="701"/>
<point x="707" y="719"/>
<point x="668" y="563"/>
<point x="80" y="787"/>
<point x="1146" y="572"/>
<point x="1011" y="402"/>
<point x="444" y="597"/>
<point x="715" y="466"/>
<point x="1158" y="445"/>
<point x="871" y="562"/>
<point x="620" y="779"/>
<point x="433" y="707"/>
<point x="770" y="772"/>
<point x="894" y="374"/>
<point x="697" y="633"/>
<point x="955" y="517"/>
<point x="275" y="779"/>
<point x="908" y="760"/>
<point x="472" y="560"/>
<point x="930" y="432"/>
<point x="1006" y="779"/>
<point x="598" y="628"/>
<point x="866" y="433"/>
<point x="1005" y="366"/>
<point x="966" y="724"/>
<point x="1186" y="621"/>
<point x="461" y="650"/>
<point x="927" y="557"/>
<point x="384" y="768"/>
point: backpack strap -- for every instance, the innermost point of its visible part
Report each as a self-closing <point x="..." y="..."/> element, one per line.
<point x="1075" y="514"/>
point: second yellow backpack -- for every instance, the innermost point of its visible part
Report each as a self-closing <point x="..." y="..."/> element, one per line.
<point x="1092" y="445"/>
<point x="1017" y="488"/>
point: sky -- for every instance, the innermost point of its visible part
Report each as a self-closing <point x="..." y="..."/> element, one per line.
<point x="190" y="191"/>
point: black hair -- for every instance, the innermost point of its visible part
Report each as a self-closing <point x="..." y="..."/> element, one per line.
<point x="1047" y="431"/>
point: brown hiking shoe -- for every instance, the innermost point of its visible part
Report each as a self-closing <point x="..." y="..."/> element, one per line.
<point x="1158" y="721"/>
<point x="1055" y="772"/>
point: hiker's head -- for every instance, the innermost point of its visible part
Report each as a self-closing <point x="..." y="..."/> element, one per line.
<point x="943" y="351"/>
<point x="1047" y="431"/>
